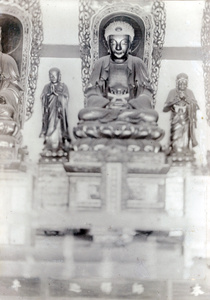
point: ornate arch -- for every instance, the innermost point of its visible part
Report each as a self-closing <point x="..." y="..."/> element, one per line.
<point x="29" y="14"/>
<point x="91" y="14"/>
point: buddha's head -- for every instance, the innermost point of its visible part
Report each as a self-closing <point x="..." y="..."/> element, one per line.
<point x="119" y="36"/>
<point x="54" y="75"/>
<point x="182" y="81"/>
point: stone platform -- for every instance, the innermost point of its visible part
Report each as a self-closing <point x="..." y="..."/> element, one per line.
<point x="16" y="198"/>
<point x="145" y="233"/>
<point x="116" y="180"/>
<point x="51" y="187"/>
<point x="78" y="268"/>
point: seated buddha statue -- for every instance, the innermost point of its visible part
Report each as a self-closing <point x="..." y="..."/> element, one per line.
<point x="8" y="127"/>
<point x="119" y="88"/>
<point x="10" y="97"/>
<point x="10" y="87"/>
<point x="119" y="99"/>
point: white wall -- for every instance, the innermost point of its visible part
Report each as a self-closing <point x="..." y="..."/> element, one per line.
<point x="60" y="21"/>
<point x="60" y="27"/>
<point x="184" y="19"/>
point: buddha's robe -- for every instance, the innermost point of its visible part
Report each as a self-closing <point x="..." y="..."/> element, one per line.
<point x="10" y="88"/>
<point x="55" y="99"/>
<point x="108" y="83"/>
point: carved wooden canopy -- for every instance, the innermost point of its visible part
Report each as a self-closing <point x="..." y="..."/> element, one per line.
<point x="22" y="38"/>
<point x="147" y="21"/>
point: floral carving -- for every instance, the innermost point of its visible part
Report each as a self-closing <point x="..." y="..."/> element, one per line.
<point x="159" y="16"/>
<point x="205" y="41"/>
<point x="85" y="14"/>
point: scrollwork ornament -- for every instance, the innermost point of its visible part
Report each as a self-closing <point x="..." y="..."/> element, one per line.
<point x="85" y="14"/>
<point x="90" y="9"/>
<point x="159" y="16"/>
<point x="205" y="42"/>
<point x="29" y="13"/>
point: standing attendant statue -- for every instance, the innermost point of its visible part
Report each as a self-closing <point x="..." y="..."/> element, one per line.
<point x="55" y="97"/>
<point x="183" y="106"/>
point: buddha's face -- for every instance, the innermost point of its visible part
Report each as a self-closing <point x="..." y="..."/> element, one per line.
<point x="54" y="75"/>
<point x="119" y="46"/>
<point x="182" y="84"/>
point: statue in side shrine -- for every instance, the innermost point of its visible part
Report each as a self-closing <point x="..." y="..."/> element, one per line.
<point x="119" y="94"/>
<point x="10" y="87"/>
<point x="55" y="97"/>
<point x="11" y="94"/>
<point x="183" y="106"/>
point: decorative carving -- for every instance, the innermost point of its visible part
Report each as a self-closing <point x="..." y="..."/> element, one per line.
<point x="85" y="14"/>
<point x="159" y="16"/>
<point x="126" y="145"/>
<point x="10" y="98"/>
<point x="123" y="9"/>
<point x="92" y="12"/>
<point x="21" y="37"/>
<point x="118" y="130"/>
<point x="205" y="42"/>
<point x="29" y="14"/>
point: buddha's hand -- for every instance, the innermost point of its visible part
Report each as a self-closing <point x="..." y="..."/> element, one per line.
<point x="97" y="101"/>
<point x="150" y="116"/>
<point x="143" y="101"/>
<point x="118" y="99"/>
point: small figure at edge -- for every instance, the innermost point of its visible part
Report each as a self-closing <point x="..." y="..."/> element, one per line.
<point x="55" y="97"/>
<point x="183" y="106"/>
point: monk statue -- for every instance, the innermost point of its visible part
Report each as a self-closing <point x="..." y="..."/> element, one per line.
<point x="119" y="93"/>
<point x="55" y="97"/>
<point x="183" y="106"/>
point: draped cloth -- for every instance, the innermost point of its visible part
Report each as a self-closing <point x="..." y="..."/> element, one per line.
<point x="136" y="92"/>
<point x="183" y="119"/>
<point x="55" y="99"/>
<point x="10" y="88"/>
<point x="138" y="81"/>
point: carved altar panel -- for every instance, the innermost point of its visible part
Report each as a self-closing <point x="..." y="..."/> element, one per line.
<point x="85" y="193"/>
<point x="147" y="19"/>
<point x="145" y="193"/>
